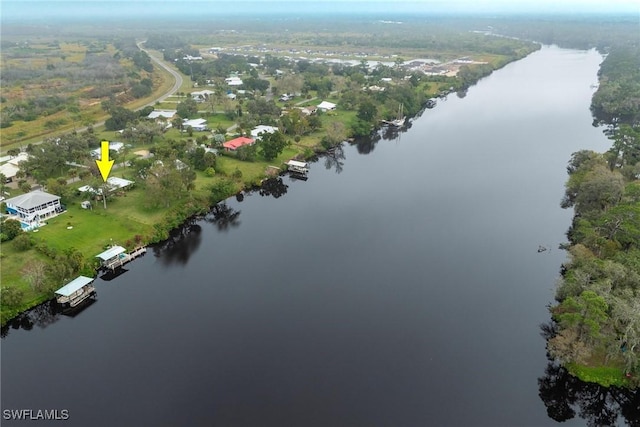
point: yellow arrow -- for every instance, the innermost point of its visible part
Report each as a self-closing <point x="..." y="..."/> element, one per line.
<point x="104" y="164"/>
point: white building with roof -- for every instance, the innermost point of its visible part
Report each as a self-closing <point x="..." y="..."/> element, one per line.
<point x="326" y="106"/>
<point x="196" y="124"/>
<point x="34" y="206"/>
<point x="12" y="166"/>
<point x="113" y="145"/>
<point x="261" y="129"/>
<point x="164" y="114"/>
<point x="233" y="81"/>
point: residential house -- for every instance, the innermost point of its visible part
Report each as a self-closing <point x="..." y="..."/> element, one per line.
<point x="12" y="166"/>
<point x="198" y="125"/>
<point x="260" y="129"/>
<point x="326" y="106"/>
<point x="162" y="114"/>
<point x="113" y="145"/>
<point x="202" y="95"/>
<point x="34" y="206"/>
<point x="233" y="81"/>
<point x="236" y="143"/>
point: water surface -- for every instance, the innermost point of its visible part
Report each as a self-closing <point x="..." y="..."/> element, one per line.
<point x="405" y="290"/>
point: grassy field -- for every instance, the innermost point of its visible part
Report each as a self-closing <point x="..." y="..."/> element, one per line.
<point x="22" y="133"/>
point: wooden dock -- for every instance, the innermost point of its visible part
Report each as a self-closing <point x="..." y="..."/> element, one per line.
<point x="125" y="258"/>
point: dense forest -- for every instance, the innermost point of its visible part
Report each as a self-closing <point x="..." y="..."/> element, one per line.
<point x="596" y="329"/>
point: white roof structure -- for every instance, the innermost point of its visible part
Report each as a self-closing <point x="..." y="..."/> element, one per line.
<point x="297" y="163"/>
<point x="9" y="170"/>
<point x="31" y="200"/>
<point x="111" y="252"/>
<point x="325" y="105"/>
<point x="202" y="93"/>
<point x="18" y="159"/>
<point x="167" y="114"/>
<point x="194" y="123"/>
<point x="74" y="286"/>
<point x="113" y="145"/>
<point x="233" y="81"/>
<point x="256" y="131"/>
<point x="114" y="182"/>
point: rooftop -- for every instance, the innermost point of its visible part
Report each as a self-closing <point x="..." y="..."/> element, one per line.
<point x="111" y="252"/>
<point x="74" y="286"/>
<point x="236" y="143"/>
<point x="32" y="199"/>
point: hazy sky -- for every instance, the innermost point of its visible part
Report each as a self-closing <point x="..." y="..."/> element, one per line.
<point x="41" y="9"/>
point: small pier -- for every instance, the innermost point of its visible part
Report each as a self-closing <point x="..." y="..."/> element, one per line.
<point x="116" y="256"/>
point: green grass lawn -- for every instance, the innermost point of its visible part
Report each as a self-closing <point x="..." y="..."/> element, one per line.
<point x="92" y="230"/>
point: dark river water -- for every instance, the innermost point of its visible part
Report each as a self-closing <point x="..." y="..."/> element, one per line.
<point x="399" y="286"/>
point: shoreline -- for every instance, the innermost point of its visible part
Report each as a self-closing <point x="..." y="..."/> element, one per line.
<point x="193" y="207"/>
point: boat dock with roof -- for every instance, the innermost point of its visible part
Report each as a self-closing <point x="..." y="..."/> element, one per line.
<point x="117" y="256"/>
<point x="75" y="292"/>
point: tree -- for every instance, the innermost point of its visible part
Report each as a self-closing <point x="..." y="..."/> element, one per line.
<point x="335" y="134"/>
<point x="9" y="229"/>
<point x="272" y="144"/>
<point x="35" y="273"/>
<point x="187" y="108"/>
<point x="367" y="111"/>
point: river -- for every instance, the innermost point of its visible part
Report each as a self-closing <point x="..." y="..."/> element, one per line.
<point x="398" y="286"/>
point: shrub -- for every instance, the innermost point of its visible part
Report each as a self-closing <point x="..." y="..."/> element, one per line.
<point x="23" y="242"/>
<point x="210" y="172"/>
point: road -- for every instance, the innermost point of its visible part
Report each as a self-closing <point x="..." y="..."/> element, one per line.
<point x="176" y="75"/>
<point x="174" y="88"/>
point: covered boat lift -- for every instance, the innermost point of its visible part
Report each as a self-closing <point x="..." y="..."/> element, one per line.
<point x="301" y="168"/>
<point x="75" y="292"/>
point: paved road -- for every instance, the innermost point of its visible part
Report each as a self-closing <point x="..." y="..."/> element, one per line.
<point x="176" y="75"/>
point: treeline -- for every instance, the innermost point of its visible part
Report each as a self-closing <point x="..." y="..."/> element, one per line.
<point x="598" y="310"/>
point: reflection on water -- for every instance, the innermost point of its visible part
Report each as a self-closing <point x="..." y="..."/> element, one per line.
<point x="564" y="394"/>
<point x="43" y="315"/>
<point x="334" y="158"/>
<point x="180" y="245"/>
<point x="223" y="217"/>
<point x="274" y="187"/>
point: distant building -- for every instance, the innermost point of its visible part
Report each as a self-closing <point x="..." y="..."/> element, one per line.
<point x="326" y="106"/>
<point x="115" y="146"/>
<point x="164" y="114"/>
<point x="261" y="129"/>
<point x="198" y="125"/>
<point x="236" y="143"/>
<point x="233" y="81"/>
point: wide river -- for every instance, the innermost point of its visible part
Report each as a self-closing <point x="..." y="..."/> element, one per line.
<point x="398" y="286"/>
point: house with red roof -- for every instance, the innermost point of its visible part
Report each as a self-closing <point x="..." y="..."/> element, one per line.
<point x="236" y="143"/>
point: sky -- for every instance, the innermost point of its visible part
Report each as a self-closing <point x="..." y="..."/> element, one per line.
<point x="17" y="10"/>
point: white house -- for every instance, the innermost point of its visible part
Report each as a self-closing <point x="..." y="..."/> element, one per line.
<point x="197" y="125"/>
<point x="12" y="166"/>
<point x="115" y="146"/>
<point x="165" y="114"/>
<point x="260" y="129"/>
<point x="114" y="182"/>
<point x="326" y="106"/>
<point x="202" y="95"/>
<point x="233" y="81"/>
<point x="34" y="206"/>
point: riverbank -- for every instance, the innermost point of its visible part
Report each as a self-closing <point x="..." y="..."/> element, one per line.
<point x="130" y="219"/>
<point x="597" y="314"/>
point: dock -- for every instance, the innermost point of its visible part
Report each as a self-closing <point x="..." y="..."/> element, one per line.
<point x="75" y="292"/>
<point x="116" y="256"/>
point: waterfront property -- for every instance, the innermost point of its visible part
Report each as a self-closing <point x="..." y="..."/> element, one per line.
<point x="33" y="207"/>
<point x="75" y="292"/>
